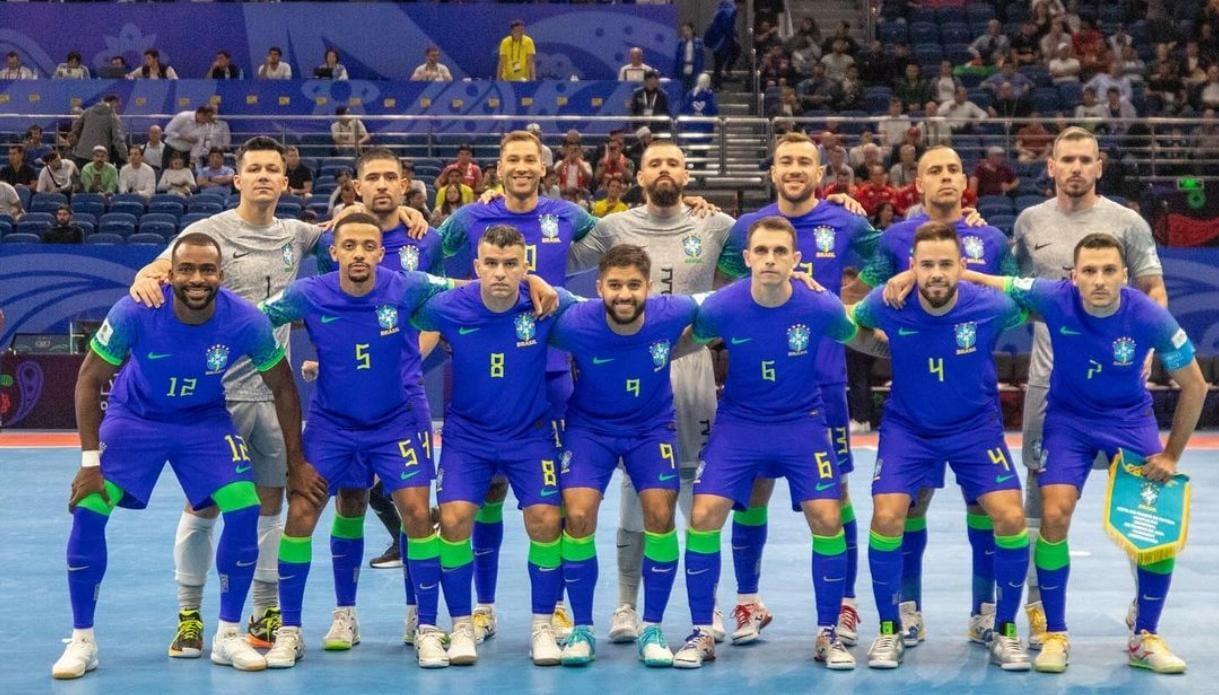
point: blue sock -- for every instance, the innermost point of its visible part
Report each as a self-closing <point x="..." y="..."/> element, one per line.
<point x="580" y="575"/>
<point x="914" y="542"/>
<point x="659" y="573"/>
<point x="86" y="561"/>
<point x="487" y="539"/>
<point x="829" y="572"/>
<point x="1154" y="579"/>
<point x="295" y="556"/>
<point x="1053" y="562"/>
<point x="545" y="575"/>
<point x="981" y="534"/>
<point x="749" y="529"/>
<point x="422" y="556"/>
<point x="403" y="549"/>
<point x="347" y="555"/>
<point x="885" y="561"/>
<point x="702" y="573"/>
<point x="850" y="531"/>
<point x="236" y="555"/>
<point x="456" y="570"/>
<point x="1011" y="569"/>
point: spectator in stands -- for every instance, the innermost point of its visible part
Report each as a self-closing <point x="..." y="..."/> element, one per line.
<point x="650" y="100"/>
<point x="837" y="60"/>
<point x="215" y="174"/>
<point x="414" y="184"/>
<point x="190" y="132"/>
<point x="448" y="200"/>
<point x="873" y="155"/>
<point x="613" y="164"/>
<point x="222" y="68"/>
<point x="635" y="69"/>
<point x="945" y="84"/>
<point x="1008" y="75"/>
<point x="35" y="148"/>
<point x="491" y="180"/>
<point x="842" y="33"/>
<point x="699" y="101"/>
<point x="988" y="47"/>
<point x="1117" y="110"/>
<point x="1064" y="67"/>
<point x="154" y="150"/>
<point x="576" y="197"/>
<point x="14" y="70"/>
<point x="63" y="231"/>
<point x="1089" y="113"/>
<point x="331" y="68"/>
<point x="818" y="92"/>
<point x="99" y="175"/>
<point x="452" y="179"/>
<point x="1193" y="68"/>
<point x="1206" y="95"/>
<point x="549" y="186"/>
<point x="766" y="36"/>
<point x="913" y="137"/>
<point x="300" y="177"/>
<point x="892" y="128"/>
<point x="1041" y="18"/>
<point x="117" y="69"/>
<point x="517" y="55"/>
<point x="58" y="175"/>
<point x="804" y="46"/>
<point x="136" y="176"/>
<point x="17" y="172"/>
<point x="153" y="69"/>
<point x="1033" y="140"/>
<point x="98" y="125"/>
<point x="876" y="190"/>
<point x="1053" y="41"/>
<point x="994" y="176"/>
<point x="1114" y="78"/>
<point x="884" y="216"/>
<point x="547" y="153"/>
<point x="876" y="68"/>
<point x="1166" y="93"/>
<point x="345" y="196"/>
<point x="962" y="113"/>
<point x="934" y="129"/>
<point x="720" y="38"/>
<point x="689" y="58"/>
<point x="1133" y="67"/>
<point x="348" y="133"/>
<point x="274" y="67"/>
<point x="776" y="68"/>
<point x="1120" y="40"/>
<point x="851" y="92"/>
<point x="220" y="136"/>
<point x="72" y="69"/>
<point x="905" y="170"/>
<point x="1206" y="139"/>
<point x="432" y="70"/>
<point x="10" y="202"/>
<point x="913" y="90"/>
<point x="1008" y="105"/>
<point x="471" y="174"/>
<point x="417" y="200"/>
<point x="572" y="171"/>
<point x="842" y="182"/>
<point x="634" y="151"/>
<point x="612" y="202"/>
<point x="1026" y="45"/>
<point x="177" y="179"/>
<point x="1090" y="47"/>
<point x="855" y="154"/>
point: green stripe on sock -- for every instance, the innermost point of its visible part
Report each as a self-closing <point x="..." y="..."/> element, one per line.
<point x="848" y="513"/>
<point x="883" y="542"/>
<point x="1162" y="567"/>
<point x="423" y="548"/>
<point x="1014" y="541"/>
<point x="295" y="550"/>
<point x="830" y="545"/>
<point x="455" y="553"/>
<point x="980" y="522"/>
<point x="578" y="549"/>
<point x="95" y="503"/>
<point x="705" y="542"/>
<point x="916" y="523"/>
<point x="660" y="547"/>
<point x="490" y="513"/>
<point x="236" y="496"/>
<point x="546" y="553"/>
<point x="753" y="516"/>
<point x="350" y="527"/>
<point x="1051" y="556"/>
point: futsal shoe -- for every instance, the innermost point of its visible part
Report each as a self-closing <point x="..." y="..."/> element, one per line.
<point x="562" y="623"/>
<point x="344" y="630"/>
<point x="388" y="560"/>
<point x="581" y="647"/>
<point x="982" y="625"/>
<point x="624" y="625"/>
<point x="230" y="648"/>
<point x="262" y="628"/>
<point x="410" y="625"/>
<point x="288" y="649"/>
<point x="1151" y="652"/>
<point x="1055" y="653"/>
<point x="543" y="646"/>
<point x="698" y="649"/>
<point x="429" y="648"/>
<point x="717" y="625"/>
<point x="79" y="658"/>
<point x="1037" y="624"/>
<point x="654" y="652"/>
<point x="887" y="649"/>
<point x="830" y="650"/>
<point x="461" y="644"/>
<point x="913" y="629"/>
<point x="750" y="619"/>
<point x="188" y="640"/>
<point x="848" y="623"/>
<point x="485" y="623"/>
<point x="1007" y="651"/>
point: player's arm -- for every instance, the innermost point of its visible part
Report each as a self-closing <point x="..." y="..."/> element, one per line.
<point x="1153" y="286"/>
<point x="859" y="336"/>
<point x="848" y="203"/>
<point x="686" y="343"/>
<point x="303" y="478"/>
<point x="1177" y="353"/>
<point x="95" y="373"/>
<point x="146" y="288"/>
<point x="731" y="264"/>
<point x="453" y="234"/>
<point x="865" y="243"/>
<point x="585" y="252"/>
<point x="286" y="307"/>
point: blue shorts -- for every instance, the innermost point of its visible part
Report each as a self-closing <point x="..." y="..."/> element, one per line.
<point x="838" y="419"/>
<point x="907" y="461"/>
<point x="559" y="387"/>
<point x="206" y="454"/>
<point x="739" y="451"/>
<point x="1069" y="447"/>
<point x="589" y="459"/>
<point x="348" y="457"/>
<point x="530" y="465"/>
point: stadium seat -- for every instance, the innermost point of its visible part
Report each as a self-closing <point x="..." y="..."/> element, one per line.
<point x="1027" y="201"/>
<point x="319" y="207"/>
<point x="924" y="32"/>
<point x="292" y="200"/>
<point x="161" y="228"/>
<point x="159" y="217"/>
<point x="31" y="226"/>
<point x="21" y="238"/>
<point x="146" y="239"/>
<point x="128" y="207"/>
<point x="119" y="227"/>
<point x="47" y="202"/>
<point x="891" y="33"/>
<point x="1070" y="94"/>
<point x="5" y="227"/>
<point x="47" y="217"/>
<point x="1045" y="101"/>
<point x="288" y="210"/>
<point x="78" y="217"/>
<point x="957" y="54"/>
<point x="955" y="32"/>
<point x="191" y="218"/>
<point x="104" y="238"/>
<point x="204" y="207"/>
<point x="128" y="198"/>
<point x="91" y="198"/>
<point x="167" y="207"/>
<point x="86" y="227"/>
<point x="979" y="11"/>
<point x="87" y="207"/>
<point x="113" y="215"/>
<point x="950" y="14"/>
<point x="928" y="54"/>
<point x="24" y="195"/>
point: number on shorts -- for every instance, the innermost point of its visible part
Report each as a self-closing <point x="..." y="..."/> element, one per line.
<point x="408" y="453"/>
<point x="936" y="366"/>
<point x="666" y="453"/>
<point x="998" y="458"/>
<point x="825" y="468"/>
<point x="497" y="365"/>
<point x="548" y="476"/>
<point x="841" y="437"/>
<point x="363" y="359"/>
<point x="768" y="370"/>
<point x="425" y="440"/>
<point x="181" y="389"/>
<point x="238" y="448"/>
<point x="632" y="386"/>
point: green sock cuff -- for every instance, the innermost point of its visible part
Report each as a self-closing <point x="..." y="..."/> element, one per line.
<point x="455" y="553"/>
<point x="848" y="513"/>
<point x="490" y="513"/>
<point x="704" y="542"/>
<point x="980" y="522"/>
<point x="546" y="554"/>
<point x="753" y="516"/>
<point x="830" y="545"/>
<point x="423" y="548"/>
<point x="349" y="527"/>
<point x="1051" y="556"/>
<point x="96" y="504"/>
<point x="882" y="542"/>
<point x="1164" y="566"/>
<point x="1013" y="542"/>
<point x="295" y="550"/>
<point x="578" y="549"/>
<point x="916" y="523"/>
<point x="660" y="547"/>
<point x="236" y="496"/>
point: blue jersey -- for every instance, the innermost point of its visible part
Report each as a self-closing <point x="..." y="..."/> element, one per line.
<point x="771" y="370"/>
<point x="985" y="249"/>
<point x="829" y="238"/>
<point x="623" y="383"/>
<point x="499" y="362"/>
<point x="402" y="253"/>
<point x="175" y="370"/>
<point x="1098" y="361"/>
<point x="361" y="355"/>
<point x="943" y="366"/>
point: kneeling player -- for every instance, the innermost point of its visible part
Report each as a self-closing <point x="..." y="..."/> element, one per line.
<point x="168" y="404"/>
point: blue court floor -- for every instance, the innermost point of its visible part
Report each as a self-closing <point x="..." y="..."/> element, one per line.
<point x="136" y="616"/>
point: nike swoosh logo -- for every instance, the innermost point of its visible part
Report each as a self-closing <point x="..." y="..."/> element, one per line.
<point x="1145" y="596"/>
<point x="905" y="331"/>
<point x="330" y="319"/>
<point x="661" y="570"/>
<point x="480" y="553"/>
<point x="548" y="493"/>
<point x="427" y="587"/>
<point x="408" y="476"/>
<point x="667" y="476"/>
<point x="1017" y="585"/>
<point x="548" y="569"/>
<point x="465" y="331"/>
<point x="251" y="563"/>
<point x="740" y="341"/>
<point x="240" y="254"/>
<point x="1067" y="331"/>
<point x="694" y="573"/>
<point x="1043" y="587"/>
<point x="569" y="580"/>
<point x="740" y="547"/>
<point x="825" y="486"/>
<point x="77" y="569"/>
<point x="1004" y="478"/>
<point x="1038" y="247"/>
<point x="602" y="360"/>
<point x="831" y="580"/>
<point x="243" y="469"/>
<point x="284" y="578"/>
<point x="158" y="355"/>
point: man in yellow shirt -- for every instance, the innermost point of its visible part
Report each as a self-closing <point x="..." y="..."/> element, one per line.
<point x="516" y="56"/>
<point x="612" y="202"/>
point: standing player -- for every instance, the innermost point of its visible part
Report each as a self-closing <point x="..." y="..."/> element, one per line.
<point x="1102" y="332"/>
<point x="497" y="422"/>
<point x="944" y="406"/>
<point x="168" y="403"/>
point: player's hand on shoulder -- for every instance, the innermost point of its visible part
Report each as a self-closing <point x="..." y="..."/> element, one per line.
<point x="973" y="218"/>
<point x="850" y="204"/>
<point x="146" y="291"/>
<point x="809" y="282"/>
<point x="1160" y="467"/>
<point x="309" y="370"/>
<point x="87" y="481"/>
<point x="416" y="222"/>
<point x="328" y="225"/>
<point x="545" y="298"/>
<point x="699" y="206"/>
<point x="488" y="196"/>
<point x="898" y="288"/>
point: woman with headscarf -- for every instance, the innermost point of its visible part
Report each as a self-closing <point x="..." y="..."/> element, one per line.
<point x="700" y="101"/>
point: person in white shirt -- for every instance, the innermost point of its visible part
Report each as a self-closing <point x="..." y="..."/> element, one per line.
<point x="274" y="68"/>
<point x="945" y="85"/>
<point x="1102" y="82"/>
<point x="189" y="132"/>
<point x="71" y="70"/>
<point x="432" y="70"/>
<point x="14" y="70"/>
<point x="154" y="149"/>
<point x="331" y="68"/>
<point x="1064" y="66"/>
<point x="635" y="70"/>
<point x="137" y="176"/>
<point x="1090" y="113"/>
<point x="348" y="133"/>
<point x="837" y="61"/>
<point x="960" y="112"/>
<point x="153" y="69"/>
<point x="892" y="128"/>
<point x="58" y="176"/>
<point x="934" y="129"/>
<point x="10" y="202"/>
<point x="177" y="179"/>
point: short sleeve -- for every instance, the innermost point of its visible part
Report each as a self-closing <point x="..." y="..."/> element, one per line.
<point x="706" y="324"/>
<point x="308" y="235"/>
<point x="1013" y="315"/>
<point x="566" y="299"/>
<point x="585" y="253"/>
<point x="262" y="348"/>
<point x="732" y="257"/>
<point x="879" y="268"/>
<point x="1007" y="262"/>
<point x="1141" y="256"/>
<point x="291" y="304"/>
<point x="429" y="316"/>
<point x="454" y="237"/>
<point x="432" y="243"/>
<point x="839" y="326"/>
<point x="529" y="47"/>
<point x="117" y="334"/>
<point x="321" y="252"/>
<point x="582" y="223"/>
<point x="1172" y="344"/>
<point x="420" y="287"/>
<point x="1033" y="294"/>
<point x="865" y="239"/>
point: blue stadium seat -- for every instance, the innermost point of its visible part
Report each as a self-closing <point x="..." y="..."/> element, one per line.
<point x="928" y="54"/>
<point x="920" y="15"/>
<point x="165" y="197"/>
<point x="1045" y="100"/>
<point x="47" y="217"/>
<point x="104" y="238"/>
<point x="35" y="227"/>
<point x="168" y="207"/>
<point x="955" y="32"/>
<point x="127" y="207"/>
<point x="1039" y="75"/>
<point x="91" y="198"/>
<point x="981" y="97"/>
<point x="159" y="217"/>
<point x="191" y="218"/>
<point x="319" y="205"/>
<point x="161" y="228"/>
<point x="292" y="210"/>
<point x="890" y="33"/>
<point x="1017" y="12"/>
<point x="5" y="228"/>
<point x="47" y="202"/>
<point x="995" y="201"/>
<point x="957" y="53"/>
<point x="24" y="195"/>
<point x="146" y="239"/>
<point x="205" y="207"/>
<point x="1027" y="201"/>
<point x="979" y="11"/>
<point x="128" y="198"/>
<point x="114" y="215"/>
<point x="87" y="207"/>
<point x="21" y="238"/>
<point x="86" y="227"/>
<point x="924" y="32"/>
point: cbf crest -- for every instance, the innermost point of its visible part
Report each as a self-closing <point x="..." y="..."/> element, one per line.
<point x="289" y="256"/>
<point x="408" y="256"/>
<point x="692" y="245"/>
<point x="217" y="358"/>
<point x="526" y="330"/>
<point x="660" y="354"/>
<point x="387" y="318"/>
<point x="550" y="229"/>
<point x="1149" y="493"/>
<point x="825" y="237"/>
<point x="797" y="339"/>
<point x="967" y="337"/>
<point x="974" y="249"/>
<point x="1123" y="351"/>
